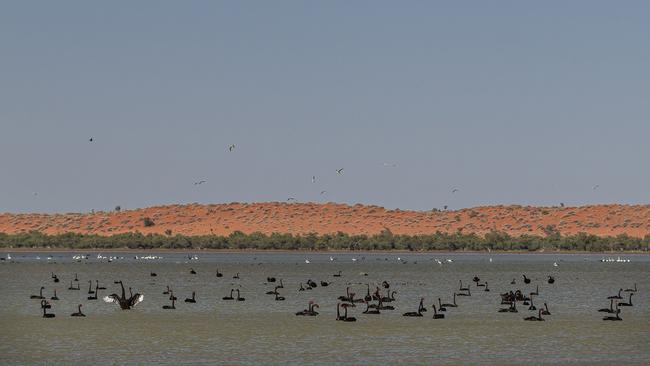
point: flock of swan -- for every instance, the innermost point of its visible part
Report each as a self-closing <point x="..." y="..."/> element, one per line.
<point x="376" y="301"/>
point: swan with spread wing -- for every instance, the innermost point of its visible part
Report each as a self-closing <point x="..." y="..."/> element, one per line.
<point x="124" y="302"/>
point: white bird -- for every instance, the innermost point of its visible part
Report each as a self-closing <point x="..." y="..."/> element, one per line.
<point x="339" y="171"/>
<point x="390" y="165"/>
<point x="331" y="258"/>
<point x="231" y="147"/>
<point x="490" y="260"/>
<point x="307" y="261"/>
<point x="354" y="259"/>
<point x="8" y="256"/>
<point x="554" y="264"/>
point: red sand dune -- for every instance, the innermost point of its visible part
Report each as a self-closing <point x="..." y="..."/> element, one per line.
<point x="302" y="218"/>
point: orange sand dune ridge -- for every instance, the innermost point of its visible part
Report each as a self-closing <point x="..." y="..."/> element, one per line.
<point x="303" y="218"/>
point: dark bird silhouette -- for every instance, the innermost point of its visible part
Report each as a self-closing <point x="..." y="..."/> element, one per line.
<point x="40" y="295"/>
<point x="124" y="302"/>
<point x="45" y="314"/>
<point x="192" y="299"/>
<point x="78" y="313"/>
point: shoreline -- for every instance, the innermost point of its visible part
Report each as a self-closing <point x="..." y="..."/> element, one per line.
<point x="258" y="251"/>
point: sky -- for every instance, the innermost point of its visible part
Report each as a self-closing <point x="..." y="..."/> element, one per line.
<point x="510" y="102"/>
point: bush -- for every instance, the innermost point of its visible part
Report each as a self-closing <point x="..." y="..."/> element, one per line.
<point x="148" y="222"/>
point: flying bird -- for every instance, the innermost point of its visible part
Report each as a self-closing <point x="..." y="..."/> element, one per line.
<point x="323" y="192"/>
<point x="595" y="187"/>
<point x="313" y="179"/>
<point x="390" y="165"/>
<point x="339" y="171"/>
<point x="90" y="139"/>
<point x="231" y="147"/>
<point x="199" y="182"/>
<point x="291" y="199"/>
<point x="454" y="190"/>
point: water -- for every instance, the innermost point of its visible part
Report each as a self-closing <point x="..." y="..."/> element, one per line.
<point x="263" y="331"/>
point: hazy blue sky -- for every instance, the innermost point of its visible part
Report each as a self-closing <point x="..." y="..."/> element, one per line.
<point x="510" y="102"/>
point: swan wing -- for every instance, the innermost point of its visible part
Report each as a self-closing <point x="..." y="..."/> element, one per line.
<point x="136" y="299"/>
<point x="111" y="299"/>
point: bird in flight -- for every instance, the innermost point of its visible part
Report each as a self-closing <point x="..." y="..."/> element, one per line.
<point x="454" y="190"/>
<point x="199" y="182"/>
<point x="291" y="199"/>
<point x="339" y="171"/>
<point x="35" y="193"/>
<point x="90" y="139"/>
<point x="313" y="179"/>
<point x="390" y="165"/>
<point x="231" y="147"/>
<point x="595" y="187"/>
<point x="323" y="192"/>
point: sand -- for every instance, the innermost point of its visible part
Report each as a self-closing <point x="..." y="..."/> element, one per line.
<point x="304" y="218"/>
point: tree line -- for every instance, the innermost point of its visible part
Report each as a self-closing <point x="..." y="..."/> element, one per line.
<point x="386" y="240"/>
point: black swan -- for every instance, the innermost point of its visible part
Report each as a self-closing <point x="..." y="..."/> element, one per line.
<point x="229" y="297"/>
<point x="78" y="313"/>
<point x="628" y="303"/>
<point x="278" y="297"/>
<point x="124" y="302"/>
<point x="40" y="295"/>
<point x="369" y="310"/>
<point x="192" y="299"/>
<point x="551" y="280"/>
<point x="453" y="304"/>
<point x="416" y="313"/>
<point x="45" y="314"/>
<point x="545" y="310"/>
<point x="526" y="279"/>
<point x="219" y="274"/>
<point x="54" y="297"/>
<point x="435" y="313"/>
<point x="192" y="271"/>
<point x="309" y="311"/>
<point x="94" y="296"/>
<point x="337" y="274"/>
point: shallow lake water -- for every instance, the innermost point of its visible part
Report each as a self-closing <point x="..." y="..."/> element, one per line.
<point x="261" y="330"/>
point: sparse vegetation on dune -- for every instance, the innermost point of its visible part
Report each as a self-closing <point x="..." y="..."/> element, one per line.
<point x="304" y="218"/>
<point x="386" y="240"/>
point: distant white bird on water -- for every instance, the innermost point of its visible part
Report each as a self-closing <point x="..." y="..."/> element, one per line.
<point x="354" y="259"/>
<point x="331" y="258"/>
<point x="554" y="264"/>
<point x="339" y="171"/>
<point x="307" y="261"/>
